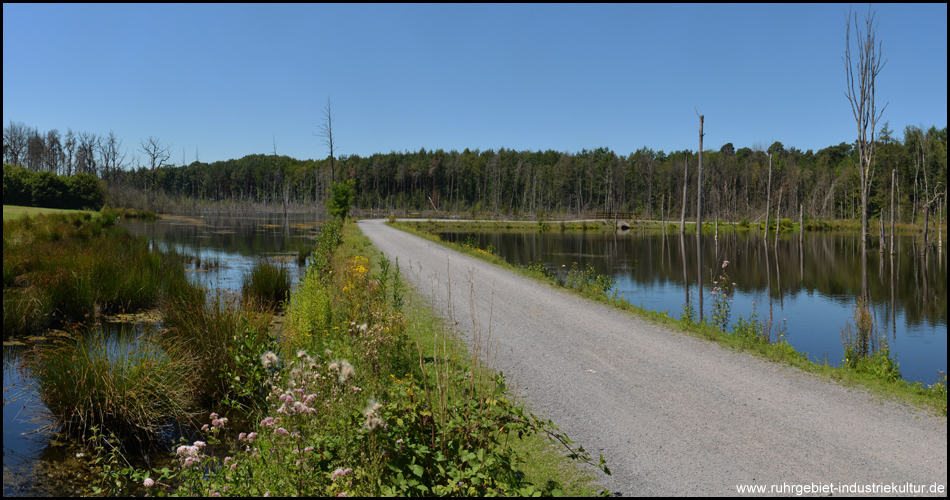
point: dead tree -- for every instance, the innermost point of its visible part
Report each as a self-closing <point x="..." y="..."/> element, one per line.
<point x="326" y="132"/>
<point x="768" y="200"/>
<point x="685" y="185"/>
<point x="156" y="152"/>
<point x="861" y="76"/>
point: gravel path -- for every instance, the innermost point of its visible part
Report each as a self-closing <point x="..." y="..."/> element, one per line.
<point x="672" y="415"/>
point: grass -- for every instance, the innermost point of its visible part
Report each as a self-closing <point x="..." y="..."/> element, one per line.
<point x="70" y="267"/>
<point x="126" y="383"/>
<point x="880" y="382"/>
<point x="224" y="340"/>
<point x="267" y="285"/>
<point x="16" y="212"/>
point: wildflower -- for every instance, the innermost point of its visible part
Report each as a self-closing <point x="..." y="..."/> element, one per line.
<point x="214" y="416"/>
<point x="346" y="372"/>
<point x="148" y="483"/>
<point x="267" y="422"/>
<point x="242" y="436"/>
<point x="219" y="422"/>
<point x="725" y="263"/>
<point x="269" y="360"/>
<point x="251" y="437"/>
<point x="301" y="353"/>
<point x="340" y="473"/>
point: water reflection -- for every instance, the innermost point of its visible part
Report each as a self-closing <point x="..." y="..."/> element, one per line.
<point x="811" y="281"/>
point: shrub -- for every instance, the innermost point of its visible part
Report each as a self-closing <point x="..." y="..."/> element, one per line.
<point x="17" y="185"/>
<point x="85" y="192"/>
<point x="341" y="197"/>
<point x="49" y="190"/>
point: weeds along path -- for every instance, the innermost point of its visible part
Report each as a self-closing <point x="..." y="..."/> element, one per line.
<point x="672" y="415"/>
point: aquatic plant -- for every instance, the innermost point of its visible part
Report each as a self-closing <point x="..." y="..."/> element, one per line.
<point x="267" y="285"/>
<point x="71" y="267"/>
<point x="127" y="384"/>
<point x="722" y="298"/>
<point x="225" y="341"/>
<point x="865" y="348"/>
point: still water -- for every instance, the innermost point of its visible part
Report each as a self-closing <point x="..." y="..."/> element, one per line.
<point x="811" y="284"/>
<point x="222" y="249"/>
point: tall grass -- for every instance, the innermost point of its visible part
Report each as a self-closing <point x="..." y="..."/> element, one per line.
<point x="71" y="267"/>
<point x="215" y="332"/>
<point x="126" y="384"/>
<point x="267" y="285"/>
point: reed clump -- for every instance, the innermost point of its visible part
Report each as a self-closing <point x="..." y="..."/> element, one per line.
<point x="267" y="285"/>
<point x="126" y="383"/>
<point x="222" y="337"/>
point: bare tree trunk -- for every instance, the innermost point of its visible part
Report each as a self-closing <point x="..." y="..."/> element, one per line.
<point x="778" y="215"/>
<point x="893" y="183"/>
<point x="768" y="200"/>
<point x="860" y="93"/>
<point x="699" y="221"/>
<point x="685" y="185"/>
<point x="699" y="182"/>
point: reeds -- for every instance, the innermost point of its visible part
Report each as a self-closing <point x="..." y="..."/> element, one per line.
<point x="267" y="285"/>
<point x="210" y="330"/>
<point x="127" y="383"/>
<point x="69" y="268"/>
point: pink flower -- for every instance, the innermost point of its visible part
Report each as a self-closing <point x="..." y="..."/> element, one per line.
<point x="725" y="263"/>
<point x="148" y="483"/>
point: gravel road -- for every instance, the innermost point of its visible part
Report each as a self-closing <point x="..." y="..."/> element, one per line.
<point x="672" y="415"/>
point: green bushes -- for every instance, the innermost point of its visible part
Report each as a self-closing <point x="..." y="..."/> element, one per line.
<point x="49" y="190"/>
<point x="865" y="348"/>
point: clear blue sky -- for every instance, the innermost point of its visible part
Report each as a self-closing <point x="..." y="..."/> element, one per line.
<point x="227" y="79"/>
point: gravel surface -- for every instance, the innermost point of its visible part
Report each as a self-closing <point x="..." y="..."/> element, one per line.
<point x="672" y="414"/>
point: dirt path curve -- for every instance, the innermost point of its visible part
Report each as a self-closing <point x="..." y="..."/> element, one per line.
<point x="673" y="415"/>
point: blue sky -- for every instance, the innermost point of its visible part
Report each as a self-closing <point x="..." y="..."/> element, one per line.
<point x="228" y="79"/>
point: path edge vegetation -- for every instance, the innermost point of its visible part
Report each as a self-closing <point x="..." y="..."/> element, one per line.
<point x="876" y="376"/>
<point x="368" y="392"/>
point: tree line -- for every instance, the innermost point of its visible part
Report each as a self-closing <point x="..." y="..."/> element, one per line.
<point x="822" y="184"/>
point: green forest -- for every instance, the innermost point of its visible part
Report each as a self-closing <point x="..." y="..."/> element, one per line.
<point x="822" y="184"/>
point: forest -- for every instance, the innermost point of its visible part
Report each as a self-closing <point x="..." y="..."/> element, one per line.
<point x="823" y="184"/>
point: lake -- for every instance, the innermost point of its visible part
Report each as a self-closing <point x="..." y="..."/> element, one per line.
<point x="811" y="284"/>
<point x="222" y="249"/>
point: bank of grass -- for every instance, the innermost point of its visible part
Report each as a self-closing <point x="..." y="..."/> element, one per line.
<point x="70" y="267"/>
<point x="875" y="374"/>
